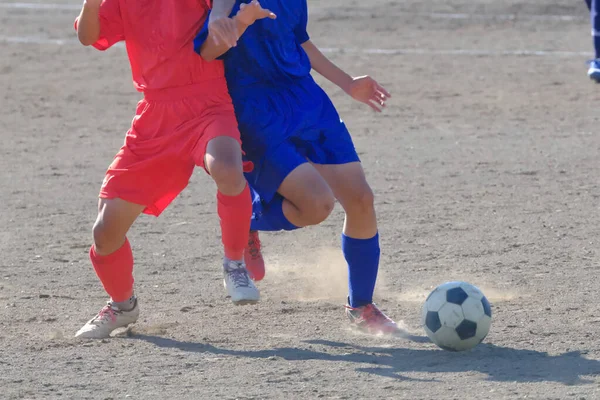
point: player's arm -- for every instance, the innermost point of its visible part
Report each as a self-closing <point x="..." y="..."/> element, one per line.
<point x="213" y="49"/>
<point x="246" y="16"/>
<point x="363" y="88"/>
<point x="221" y="28"/>
<point x="88" y="22"/>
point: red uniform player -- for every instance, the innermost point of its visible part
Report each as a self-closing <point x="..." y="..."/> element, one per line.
<point x="186" y="119"/>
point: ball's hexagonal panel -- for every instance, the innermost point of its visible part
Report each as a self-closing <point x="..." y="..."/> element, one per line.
<point x="487" y="308"/>
<point x="436" y="300"/>
<point x="473" y="309"/>
<point x="483" y="327"/>
<point x="432" y="321"/>
<point x="471" y="290"/>
<point x="466" y="329"/>
<point x="456" y="296"/>
<point x="451" y="315"/>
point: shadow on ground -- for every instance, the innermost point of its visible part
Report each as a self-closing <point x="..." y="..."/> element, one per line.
<point x="498" y="363"/>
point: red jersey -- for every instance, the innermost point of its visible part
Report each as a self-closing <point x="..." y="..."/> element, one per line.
<point x="159" y="37"/>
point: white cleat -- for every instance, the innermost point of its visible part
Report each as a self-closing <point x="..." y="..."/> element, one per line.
<point x="238" y="284"/>
<point x="107" y="320"/>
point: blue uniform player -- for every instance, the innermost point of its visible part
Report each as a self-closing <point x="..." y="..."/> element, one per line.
<point x="594" y="7"/>
<point x="302" y="152"/>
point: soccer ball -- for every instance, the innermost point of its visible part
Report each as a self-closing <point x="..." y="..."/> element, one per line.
<point x="456" y="316"/>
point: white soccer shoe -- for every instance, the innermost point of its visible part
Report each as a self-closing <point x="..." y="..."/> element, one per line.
<point x="238" y="284"/>
<point x="107" y="320"/>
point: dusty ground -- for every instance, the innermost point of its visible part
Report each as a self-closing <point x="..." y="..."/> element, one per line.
<point x="486" y="170"/>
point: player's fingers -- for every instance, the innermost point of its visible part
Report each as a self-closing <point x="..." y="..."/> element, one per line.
<point x="381" y="95"/>
<point x="380" y="89"/>
<point x="374" y="106"/>
<point x="232" y="34"/>
<point x="271" y="14"/>
<point x="222" y="37"/>
<point x="217" y="36"/>
<point x="267" y="14"/>
<point x="378" y="100"/>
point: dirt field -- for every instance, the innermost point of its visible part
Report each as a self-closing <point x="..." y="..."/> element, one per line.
<point x="485" y="167"/>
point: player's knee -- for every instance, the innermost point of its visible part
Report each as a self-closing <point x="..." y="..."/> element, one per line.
<point x="319" y="209"/>
<point x="106" y="239"/>
<point x="361" y="201"/>
<point x="228" y="176"/>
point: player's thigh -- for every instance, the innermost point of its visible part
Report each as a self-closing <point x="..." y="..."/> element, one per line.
<point x="306" y="189"/>
<point x="348" y="183"/>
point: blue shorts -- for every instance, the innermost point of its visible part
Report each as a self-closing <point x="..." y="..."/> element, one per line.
<point x="285" y="126"/>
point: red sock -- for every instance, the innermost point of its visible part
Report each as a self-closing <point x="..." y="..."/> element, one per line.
<point x="115" y="272"/>
<point x="235" y="213"/>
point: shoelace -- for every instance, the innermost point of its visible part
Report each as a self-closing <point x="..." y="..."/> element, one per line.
<point x="106" y="312"/>
<point x="254" y="245"/>
<point x="239" y="275"/>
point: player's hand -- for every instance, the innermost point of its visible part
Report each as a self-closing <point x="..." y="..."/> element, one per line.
<point x="253" y="11"/>
<point x="223" y="30"/>
<point x="366" y="90"/>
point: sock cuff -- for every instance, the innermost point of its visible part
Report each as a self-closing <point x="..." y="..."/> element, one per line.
<point x="228" y="200"/>
<point x="115" y="256"/>
<point x="359" y="242"/>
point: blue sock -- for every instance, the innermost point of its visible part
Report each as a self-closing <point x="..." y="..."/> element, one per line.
<point x="595" y="19"/>
<point x="362" y="256"/>
<point x="269" y="216"/>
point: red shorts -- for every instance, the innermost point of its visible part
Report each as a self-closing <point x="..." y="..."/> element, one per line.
<point x="167" y="139"/>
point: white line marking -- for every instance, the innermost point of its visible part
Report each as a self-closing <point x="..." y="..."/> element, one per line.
<point x="337" y="50"/>
<point x="36" y="40"/>
<point x="458" y="52"/>
<point x="466" y="16"/>
<point x="317" y="11"/>
<point x="41" y="6"/>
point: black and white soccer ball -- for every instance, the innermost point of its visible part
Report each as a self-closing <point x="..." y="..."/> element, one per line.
<point x="456" y="316"/>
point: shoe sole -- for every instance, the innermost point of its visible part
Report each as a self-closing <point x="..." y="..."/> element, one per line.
<point x="244" y="302"/>
<point x="126" y="327"/>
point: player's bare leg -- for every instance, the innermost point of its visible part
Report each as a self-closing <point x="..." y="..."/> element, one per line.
<point x="113" y="262"/>
<point x="360" y="244"/>
<point x="308" y="199"/>
<point x="223" y="160"/>
<point x="303" y="199"/>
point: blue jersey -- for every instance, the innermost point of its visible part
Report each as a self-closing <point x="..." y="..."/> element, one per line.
<point x="284" y="117"/>
<point x="269" y="52"/>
